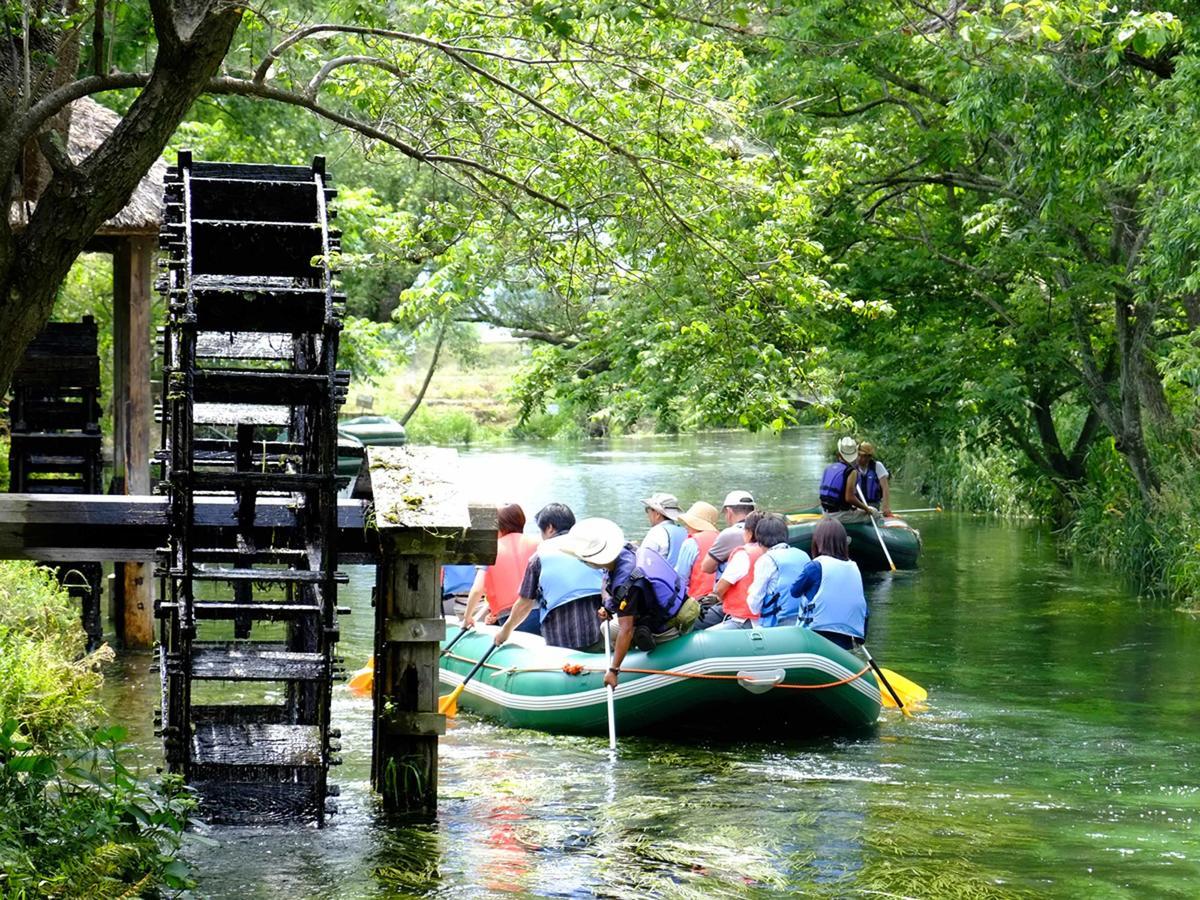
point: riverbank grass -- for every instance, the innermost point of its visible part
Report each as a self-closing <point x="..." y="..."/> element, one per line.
<point x="75" y="820"/>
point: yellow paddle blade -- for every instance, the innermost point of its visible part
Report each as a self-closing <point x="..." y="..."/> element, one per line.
<point x="910" y="692"/>
<point x="803" y="517"/>
<point x="362" y="682"/>
<point x="448" y="703"/>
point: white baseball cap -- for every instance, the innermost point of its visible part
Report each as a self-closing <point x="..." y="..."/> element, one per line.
<point x="738" y="498"/>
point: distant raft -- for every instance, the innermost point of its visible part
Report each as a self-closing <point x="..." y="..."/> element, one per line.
<point x="725" y="683"/>
<point x="903" y="541"/>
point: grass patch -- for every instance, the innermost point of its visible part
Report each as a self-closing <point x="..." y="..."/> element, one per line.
<point x="76" y="820"/>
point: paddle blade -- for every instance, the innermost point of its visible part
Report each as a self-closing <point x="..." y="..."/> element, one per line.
<point x="448" y="703"/>
<point x="910" y="692"/>
<point x="362" y="682"/>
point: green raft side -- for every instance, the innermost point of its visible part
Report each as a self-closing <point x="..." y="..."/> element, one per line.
<point x="529" y="689"/>
<point x="903" y="542"/>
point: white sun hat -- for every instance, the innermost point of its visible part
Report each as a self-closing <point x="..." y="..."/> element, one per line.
<point x="595" y="541"/>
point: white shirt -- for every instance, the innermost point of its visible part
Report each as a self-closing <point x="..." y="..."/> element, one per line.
<point x="737" y="568"/>
<point x="658" y="539"/>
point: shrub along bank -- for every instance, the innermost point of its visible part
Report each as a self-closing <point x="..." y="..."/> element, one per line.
<point x="75" y="821"/>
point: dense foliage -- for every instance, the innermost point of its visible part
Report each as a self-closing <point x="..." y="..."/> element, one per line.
<point x="76" y="820"/>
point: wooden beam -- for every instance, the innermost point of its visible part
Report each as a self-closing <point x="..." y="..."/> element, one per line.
<point x="84" y="527"/>
<point x="132" y="287"/>
<point x="422" y="520"/>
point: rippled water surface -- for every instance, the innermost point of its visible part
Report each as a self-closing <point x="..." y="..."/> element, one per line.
<point x="1058" y="757"/>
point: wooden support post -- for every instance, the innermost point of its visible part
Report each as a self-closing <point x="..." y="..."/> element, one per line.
<point x="422" y="521"/>
<point x="132" y="285"/>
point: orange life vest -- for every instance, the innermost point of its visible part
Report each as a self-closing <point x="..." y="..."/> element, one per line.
<point x="502" y="579"/>
<point x="734" y="601"/>
<point x="700" y="583"/>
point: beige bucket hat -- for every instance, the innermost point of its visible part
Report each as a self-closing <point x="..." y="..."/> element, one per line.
<point x="700" y="516"/>
<point x="667" y="504"/>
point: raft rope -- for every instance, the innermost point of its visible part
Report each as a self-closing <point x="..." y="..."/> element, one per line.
<point x="580" y="669"/>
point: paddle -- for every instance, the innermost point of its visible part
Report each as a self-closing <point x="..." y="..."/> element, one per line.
<point x="878" y="533"/>
<point x="612" y="715"/>
<point x="910" y="692"/>
<point x="448" y="704"/>
<point x="362" y="682"/>
<point x="887" y="684"/>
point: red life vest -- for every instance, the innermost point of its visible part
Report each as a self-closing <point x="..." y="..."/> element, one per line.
<point x="700" y="583"/>
<point x="502" y="579"/>
<point x="734" y="601"/>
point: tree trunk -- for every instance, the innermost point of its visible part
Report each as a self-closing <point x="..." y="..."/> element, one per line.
<point x="78" y="199"/>
<point x="437" y="351"/>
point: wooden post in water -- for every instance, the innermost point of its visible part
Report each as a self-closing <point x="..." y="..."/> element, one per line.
<point x="423" y="522"/>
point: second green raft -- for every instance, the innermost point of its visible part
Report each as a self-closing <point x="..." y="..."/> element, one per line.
<point x="778" y="680"/>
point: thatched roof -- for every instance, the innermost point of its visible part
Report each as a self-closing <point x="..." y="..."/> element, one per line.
<point x="91" y="123"/>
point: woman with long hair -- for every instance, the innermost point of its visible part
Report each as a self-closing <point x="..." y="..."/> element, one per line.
<point x="833" y="601"/>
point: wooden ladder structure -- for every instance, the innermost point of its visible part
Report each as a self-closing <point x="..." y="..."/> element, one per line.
<point x="250" y="398"/>
<point x="55" y="422"/>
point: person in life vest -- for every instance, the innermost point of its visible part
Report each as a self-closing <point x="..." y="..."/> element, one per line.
<point x="839" y="485"/>
<point x="641" y="591"/>
<point x="564" y="591"/>
<point x="733" y="587"/>
<point x="873" y="478"/>
<point x="738" y="505"/>
<point x="770" y="596"/>
<point x="456" y="587"/>
<point x="499" y="581"/>
<point x="666" y="535"/>
<point x="834" y="604"/>
<point x="701" y="523"/>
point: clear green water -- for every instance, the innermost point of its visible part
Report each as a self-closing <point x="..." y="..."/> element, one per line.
<point x="1058" y="757"/>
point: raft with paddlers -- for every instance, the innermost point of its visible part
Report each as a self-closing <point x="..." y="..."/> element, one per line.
<point x="723" y="682"/>
<point x="902" y="540"/>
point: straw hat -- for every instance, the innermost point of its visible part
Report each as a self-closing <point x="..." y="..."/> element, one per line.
<point x="848" y="449"/>
<point x="667" y="504"/>
<point x="700" y="516"/>
<point x="595" y="541"/>
<point x="866" y="448"/>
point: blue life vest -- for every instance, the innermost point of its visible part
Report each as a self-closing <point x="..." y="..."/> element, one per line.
<point x="457" y="580"/>
<point x="564" y="578"/>
<point x="779" y="604"/>
<point x="833" y="486"/>
<point x="664" y="584"/>
<point x="872" y="488"/>
<point x="839" y="603"/>
<point x="676" y="535"/>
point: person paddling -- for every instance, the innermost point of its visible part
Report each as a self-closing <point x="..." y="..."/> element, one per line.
<point x="666" y="535"/>
<point x="873" y="478"/>
<point x="775" y="572"/>
<point x="565" y="590"/>
<point x="499" y="581"/>
<point x="701" y="523"/>
<point x="834" y="604"/>
<point x="838" y="492"/>
<point x="641" y="591"/>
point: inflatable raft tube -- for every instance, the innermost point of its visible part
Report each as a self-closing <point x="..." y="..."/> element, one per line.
<point x="903" y="541"/>
<point x="727" y="683"/>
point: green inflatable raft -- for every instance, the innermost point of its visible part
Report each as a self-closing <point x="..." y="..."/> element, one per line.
<point x="903" y="541"/>
<point x="775" y="680"/>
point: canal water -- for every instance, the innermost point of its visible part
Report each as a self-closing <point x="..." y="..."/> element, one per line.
<point x="1057" y="758"/>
